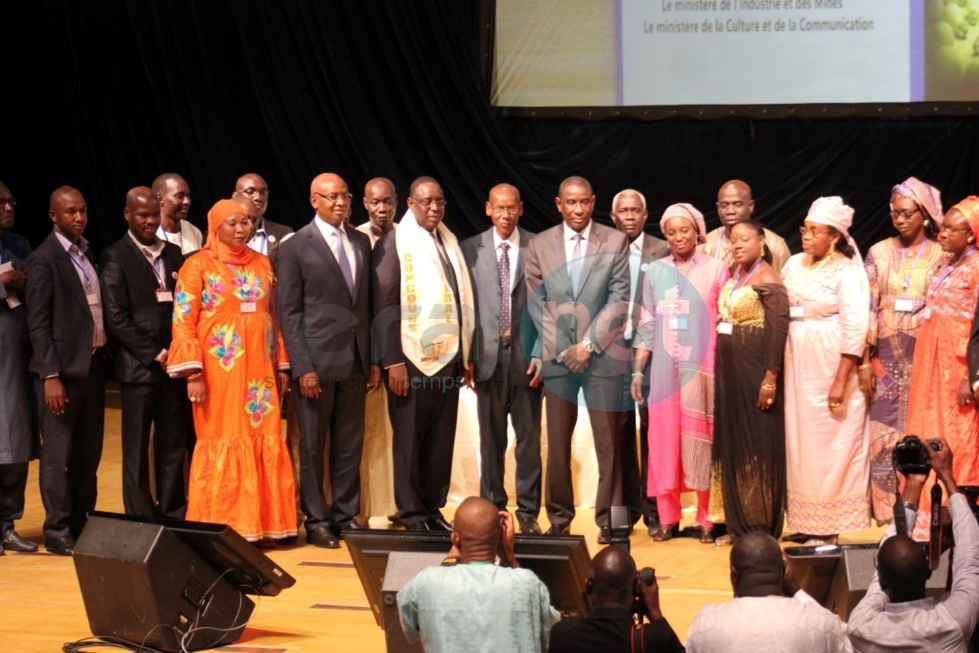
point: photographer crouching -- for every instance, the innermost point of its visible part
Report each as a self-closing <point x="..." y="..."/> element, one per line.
<point x="617" y="594"/>
<point x="895" y="615"/>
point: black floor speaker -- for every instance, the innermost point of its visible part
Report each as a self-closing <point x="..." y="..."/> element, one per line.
<point x="144" y="586"/>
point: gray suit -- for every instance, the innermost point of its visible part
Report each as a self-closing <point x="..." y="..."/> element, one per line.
<point x="502" y="383"/>
<point x="564" y="319"/>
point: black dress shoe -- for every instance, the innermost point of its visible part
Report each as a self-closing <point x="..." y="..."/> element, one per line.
<point x="438" y="523"/>
<point x="605" y="535"/>
<point x="416" y="527"/>
<point x="529" y="526"/>
<point x="62" y="546"/>
<point x="557" y="529"/>
<point x="322" y="536"/>
<point x="13" y="542"/>
<point x="340" y="531"/>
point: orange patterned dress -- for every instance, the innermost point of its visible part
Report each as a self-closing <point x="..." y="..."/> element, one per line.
<point x="939" y="367"/>
<point x="222" y="323"/>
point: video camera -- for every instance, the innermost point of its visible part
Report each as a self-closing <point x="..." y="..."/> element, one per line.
<point x="910" y="456"/>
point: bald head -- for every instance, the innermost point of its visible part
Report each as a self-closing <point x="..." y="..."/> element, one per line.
<point x="69" y="212"/>
<point x="757" y="568"/>
<point x="381" y="203"/>
<point x="142" y="214"/>
<point x="252" y="187"/>
<point x="330" y="198"/>
<point x="504" y="208"/>
<point x="577" y="181"/>
<point x="903" y="568"/>
<point x="476" y="523"/>
<point x="734" y="203"/>
<point x="612" y="578"/>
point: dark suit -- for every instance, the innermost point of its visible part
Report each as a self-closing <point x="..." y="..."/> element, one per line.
<point x="140" y="324"/>
<point x="275" y="235"/>
<point x="502" y="384"/>
<point x="61" y="327"/>
<point x="326" y="331"/>
<point x="653" y="249"/>
<point x="424" y="421"/>
<point x="564" y="319"/>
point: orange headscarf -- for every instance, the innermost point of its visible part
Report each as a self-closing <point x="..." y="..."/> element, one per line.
<point x="214" y="247"/>
<point x="969" y="207"/>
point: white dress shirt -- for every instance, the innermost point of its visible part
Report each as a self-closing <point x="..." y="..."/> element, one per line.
<point x="767" y="624"/>
<point x="89" y="278"/>
<point x="329" y="234"/>
<point x="925" y="624"/>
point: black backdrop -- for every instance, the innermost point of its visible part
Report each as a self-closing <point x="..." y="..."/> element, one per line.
<point x="106" y="94"/>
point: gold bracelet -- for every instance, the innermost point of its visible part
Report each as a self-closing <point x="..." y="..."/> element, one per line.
<point x="865" y="366"/>
<point x="768" y="387"/>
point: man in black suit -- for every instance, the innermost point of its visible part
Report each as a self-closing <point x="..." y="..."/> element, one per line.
<point x="422" y="331"/>
<point x="629" y="215"/>
<point x="324" y="313"/>
<point x="505" y="383"/>
<point x="64" y="318"/>
<point x="138" y="276"/>
<point x="268" y="236"/>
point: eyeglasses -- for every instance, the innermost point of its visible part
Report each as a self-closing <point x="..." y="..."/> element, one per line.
<point x="812" y="231"/>
<point x="335" y="197"/>
<point x="953" y="230"/>
<point x="906" y="215"/>
<point x="8" y="201"/>
<point x="428" y="202"/>
<point x="500" y="211"/>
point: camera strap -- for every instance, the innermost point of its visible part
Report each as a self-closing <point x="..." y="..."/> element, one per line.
<point x="900" y="518"/>
<point x="935" y="528"/>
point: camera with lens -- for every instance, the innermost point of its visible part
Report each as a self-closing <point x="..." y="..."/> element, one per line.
<point x="646" y="576"/>
<point x="910" y="456"/>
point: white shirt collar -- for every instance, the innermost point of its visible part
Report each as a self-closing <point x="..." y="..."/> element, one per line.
<point x="513" y="240"/>
<point x="67" y="244"/>
<point x="637" y="242"/>
<point x="569" y="232"/>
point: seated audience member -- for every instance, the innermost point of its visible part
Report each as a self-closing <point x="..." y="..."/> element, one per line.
<point x="895" y="615"/>
<point x="612" y="584"/>
<point x="473" y="604"/>
<point x="769" y="613"/>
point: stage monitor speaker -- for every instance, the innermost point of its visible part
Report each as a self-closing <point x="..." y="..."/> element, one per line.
<point x="143" y="586"/>
<point x="402" y="566"/>
<point x="854" y="572"/>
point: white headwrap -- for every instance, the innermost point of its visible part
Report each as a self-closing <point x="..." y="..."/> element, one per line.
<point x="832" y="212"/>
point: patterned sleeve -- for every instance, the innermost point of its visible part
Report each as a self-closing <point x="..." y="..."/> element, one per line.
<point x="962" y="351"/>
<point x="186" y="352"/>
<point x="854" y="297"/>
<point x="870" y="265"/>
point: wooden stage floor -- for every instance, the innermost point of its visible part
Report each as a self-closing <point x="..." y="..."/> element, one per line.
<point x="41" y="604"/>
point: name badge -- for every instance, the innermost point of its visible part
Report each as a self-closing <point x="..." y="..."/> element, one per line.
<point x="927" y="313"/>
<point x="903" y="305"/>
<point x="678" y="323"/>
<point x="725" y="328"/>
<point x="92" y="299"/>
<point x="164" y="296"/>
<point x="797" y="311"/>
<point x="248" y="307"/>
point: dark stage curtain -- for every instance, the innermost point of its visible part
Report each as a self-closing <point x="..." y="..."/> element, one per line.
<point x="104" y="95"/>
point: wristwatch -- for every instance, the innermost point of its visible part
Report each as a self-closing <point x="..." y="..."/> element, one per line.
<point x="588" y="346"/>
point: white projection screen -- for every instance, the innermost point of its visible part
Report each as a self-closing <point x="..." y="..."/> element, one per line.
<point x="631" y="53"/>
